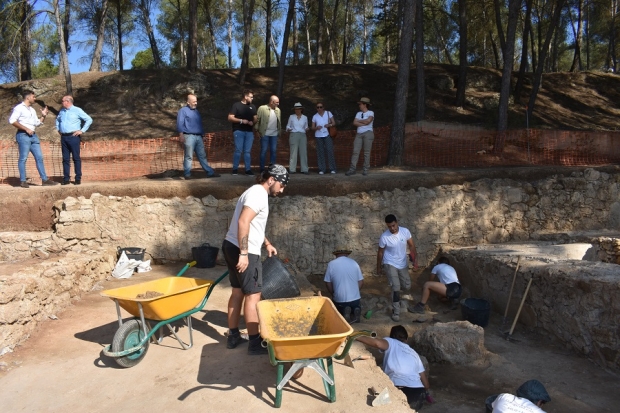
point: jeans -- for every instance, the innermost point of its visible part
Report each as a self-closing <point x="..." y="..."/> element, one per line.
<point x="194" y="143"/>
<point x="26" y="145"/>
<point x="323" y="146"/>
<point x="243" y="143"/>
<point x="71" y="147"/>
<point x="268" y="142"/>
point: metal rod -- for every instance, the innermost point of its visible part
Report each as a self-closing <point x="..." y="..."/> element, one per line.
<point x="118" y="312"/>
<point x="514" y="323"/>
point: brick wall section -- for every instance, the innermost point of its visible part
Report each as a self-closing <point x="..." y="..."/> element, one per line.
<point x="428" y="145"/>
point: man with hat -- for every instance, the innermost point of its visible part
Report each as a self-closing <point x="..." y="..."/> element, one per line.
<point x="363" y="120"/>
<point x="242" y="252"/>
<point x="343" y="280"/>
<point x="530" y="397"/>
<point x="268" y="125"/>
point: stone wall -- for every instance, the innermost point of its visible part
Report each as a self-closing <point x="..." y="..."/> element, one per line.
<point x="41" y="289"/>
<point x="307" y="229"/>
<point x="577" y="302"/>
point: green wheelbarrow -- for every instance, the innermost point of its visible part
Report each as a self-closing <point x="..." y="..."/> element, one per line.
<point x="159" y="302"/>
<point x="307" y="332"/>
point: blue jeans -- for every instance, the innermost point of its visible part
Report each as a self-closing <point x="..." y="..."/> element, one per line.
<point x="194" y="143"/>
<point x="243" y="143"/>
<point x="71" y="147"/>
<point x="26" y="145"/>
<point x="268" y="142"/>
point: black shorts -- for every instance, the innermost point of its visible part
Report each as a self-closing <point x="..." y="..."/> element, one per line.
<point x="251" y="280"/>
<point x="415" y="396"/>
<point x="453" y="290"/>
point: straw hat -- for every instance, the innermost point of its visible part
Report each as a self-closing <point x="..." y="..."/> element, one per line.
<point x="298" y="105"/>
<point x="341" y="250"/>
<point x="364" y="100"/>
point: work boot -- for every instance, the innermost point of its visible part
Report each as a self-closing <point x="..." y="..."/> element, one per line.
<point x="49" y="182"/>
<point x="418" y="308"/>
<point x="347" y="313"/>
<point x="24" y="184"/>
<point x="350" y="172"/>
<point x="255" y="347"/>
<point x="234" y="340"/>
<point x="356" y="315"/>
<point x="395" y="317"/>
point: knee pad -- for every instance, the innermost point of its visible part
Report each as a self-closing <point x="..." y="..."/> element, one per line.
<point x="395" y="296"/>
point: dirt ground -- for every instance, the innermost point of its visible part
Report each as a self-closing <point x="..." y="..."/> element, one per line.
<point x="62" y="367"/>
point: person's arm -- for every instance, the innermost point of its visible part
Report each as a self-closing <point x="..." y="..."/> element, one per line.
<point x="413" y="253"/>
<point x="243" y="231"/>
<point x="257" y="118"/>
<point x="87" y="122"/>
<point x="271" y="250"/>
<point x="232" y="118"/>
<point x="180" y="125"/>
<point x="424" y="380"/>
<point x="330" y="287"/>
<point x="314" y="127"/>
<point x="360" y="283"/>
<point x="379" y="259"/>
<point x="330" y="121"/>
<point x="379" y="343"/>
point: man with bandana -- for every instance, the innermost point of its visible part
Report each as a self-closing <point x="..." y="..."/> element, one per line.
<point x="242" y="252"/>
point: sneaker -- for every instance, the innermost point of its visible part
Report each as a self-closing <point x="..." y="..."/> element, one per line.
<point x="418" y="308"/>
<point x="235" y="171"/>
<point x="347" y="313"/>
<point x="49" y="182"/>
<point x="365" y="172"/>
<point x="332" y="172"/>
<point x="356" y="315"/>
<point x="214" y="175"/>
<point x="77" y="182"/>
<point x="187" y="177"/>
<point x="350" y="172"/>
<point x="321" y="173"/>
<point x="24" y="184"/>
<point x="65" y="183"/>
<point x="395" y="317"/>
<point x="255" y="347"/>
<point x="249" y="172"/>
<point x="234" y="340"/>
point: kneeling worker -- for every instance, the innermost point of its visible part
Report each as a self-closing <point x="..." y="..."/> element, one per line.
<point x="402" y="365"/>
<point x="343" y="280"/>
<point x="447" y="286"/>
<point x="530" y="397"/>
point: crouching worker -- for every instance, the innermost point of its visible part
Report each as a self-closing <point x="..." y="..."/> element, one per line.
<point x="447" y="286"/>
<point x="530" y="397"/>
<point x="402" y="365"/>
<point x="343" y="280"/>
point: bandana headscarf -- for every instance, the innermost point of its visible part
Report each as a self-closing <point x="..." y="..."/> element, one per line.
<point x="279" y="173"/>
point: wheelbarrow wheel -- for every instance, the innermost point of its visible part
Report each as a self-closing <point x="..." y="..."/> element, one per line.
<point x="129" y="335"/>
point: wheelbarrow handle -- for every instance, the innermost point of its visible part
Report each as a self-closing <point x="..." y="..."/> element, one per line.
<point x="351" y="338"/>
<point x="187" y="266"/>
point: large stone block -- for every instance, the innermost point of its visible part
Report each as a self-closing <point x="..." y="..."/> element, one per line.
<point x="458" y="342"/>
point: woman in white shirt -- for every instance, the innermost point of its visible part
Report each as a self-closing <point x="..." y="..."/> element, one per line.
<point x="298" y="142"/>
<point x="365" y="135"/>
<point x="324" y="143"/>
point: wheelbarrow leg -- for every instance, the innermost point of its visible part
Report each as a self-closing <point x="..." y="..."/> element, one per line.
<point x="328" y="379"/>
<point x="278" y="388"/>
<point x="191" y="337"/>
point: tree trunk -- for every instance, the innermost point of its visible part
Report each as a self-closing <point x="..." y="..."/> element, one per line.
<point x="460" y="90"/>
<point x="306" y="18"/>
<point x="248" y="11"/>
<point x="287" y="30"/>
<point x="295" y="41"/>
<point x="365" y="38"/>
<point x="577" y="65"/>
<point x="25" y="50"/>
<point x="66" y="18"/>
<point x="268" y="33"/>
<point x="495" y="51"/>
<point x="533" y="50"/>
<point x="397" y="134"/>
<point x="119" y="33"/>
<point x="419" y="40"/>
<point x="539" y="70"/>
<point x="63" y="49"/>
<point x="319" y="34"/>
<point x="192" y="37"/>
<point x="345" y="38"/>
<point x="499" y="25"/>
<point x="508" y="55"/>
<point x="331" y="33"/>
<point x="524" y="60"/>
<point x="230" y="37"/>
<point x="95" y="63"/>
<point x="145" y="14"/>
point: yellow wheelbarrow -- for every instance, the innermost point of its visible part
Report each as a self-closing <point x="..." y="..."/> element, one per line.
<point x="160" y="302"/>
<point x="305" y="331"/>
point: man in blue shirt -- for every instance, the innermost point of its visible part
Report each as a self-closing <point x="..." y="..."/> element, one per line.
<point x="189" y="126"/>
<point x="71" y="123"/>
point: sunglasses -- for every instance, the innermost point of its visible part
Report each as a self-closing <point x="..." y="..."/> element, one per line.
<point x="319" y="107"/>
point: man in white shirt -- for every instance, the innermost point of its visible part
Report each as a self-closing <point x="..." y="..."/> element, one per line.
<point x="448" y="285"/>
<point x="25" y="119"/>
<point x="343" y="280"/>
<point x="392" y="259"/>
<point x="268" y="125"/>
<point x="242" y="252"/>
<point x="531" y="396"/>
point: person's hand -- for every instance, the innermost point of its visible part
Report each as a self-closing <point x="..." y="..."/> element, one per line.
<point x="45" y="111"/>
<point x="250" y="123"/>
<point x="29" y="131"/>
<point x="242" y="265"/>
<point x="429" y="397"/>
<point x="379" y="273"/>
<point x="77" y="133"/>
<point x="181" y="138"/>
<point x="414" y="260"/>
<point x="271" y="250"/>
<point x="319" y="127"/>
